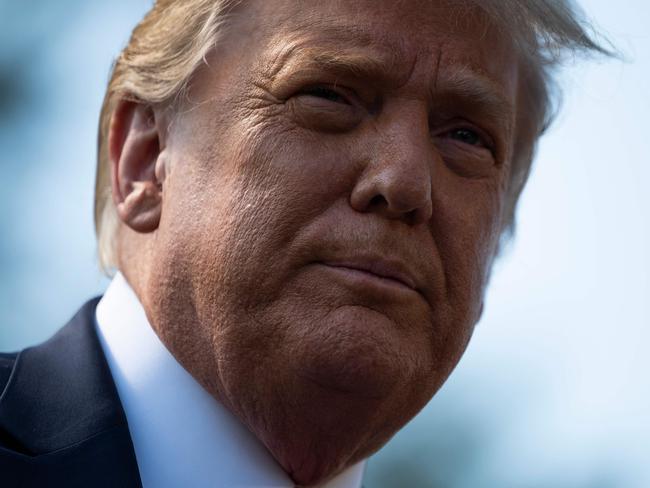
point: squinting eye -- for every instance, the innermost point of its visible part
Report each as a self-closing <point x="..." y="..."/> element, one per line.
<point x="467" y="136"/>
<point x="326" y="94"/>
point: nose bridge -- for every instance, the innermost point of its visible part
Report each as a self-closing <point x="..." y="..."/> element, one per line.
<point x="397" y="180"/>
<point x="406" y="142"/>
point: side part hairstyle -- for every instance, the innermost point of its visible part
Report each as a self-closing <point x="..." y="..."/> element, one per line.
<point x="175" y="37"/>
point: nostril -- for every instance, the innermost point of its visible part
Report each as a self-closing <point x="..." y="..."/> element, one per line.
<point x="413" y="217"/>
<point x="377" y="200"/>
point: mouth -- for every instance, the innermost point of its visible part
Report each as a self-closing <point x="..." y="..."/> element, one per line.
<point x="373" y="274"/>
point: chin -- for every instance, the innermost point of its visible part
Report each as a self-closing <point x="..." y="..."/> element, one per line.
<point x="358" y="352"/>
<point x="335" y="423"/>
<point x="357" y="371"/>
<point x="356" y="391"/>
<point x="341" y="382"/>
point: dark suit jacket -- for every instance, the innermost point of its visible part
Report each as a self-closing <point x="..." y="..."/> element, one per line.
<point x="61" y="420"/>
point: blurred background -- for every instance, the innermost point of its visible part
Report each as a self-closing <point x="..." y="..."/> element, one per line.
<point x="553" y="391"/>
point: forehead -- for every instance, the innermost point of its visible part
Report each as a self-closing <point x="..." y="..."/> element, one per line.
<point x="431" y="42"/>
<point x="395" y="32"/>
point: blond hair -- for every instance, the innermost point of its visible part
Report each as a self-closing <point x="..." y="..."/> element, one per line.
<point x="175" y="36"/>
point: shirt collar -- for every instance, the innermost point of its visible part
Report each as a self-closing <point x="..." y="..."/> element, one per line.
<point x="182" y="436"/>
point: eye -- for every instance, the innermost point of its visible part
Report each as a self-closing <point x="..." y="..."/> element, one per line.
<point x="325" y="93"/>
<point x="325" y="108"/>
<point x="467" y="136"/>
<point x="470" y="137"/>
<point x="466" y="149"/>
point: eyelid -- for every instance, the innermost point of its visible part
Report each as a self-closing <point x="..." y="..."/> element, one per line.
<point x="337" y="89"/>
<point x="488" y="143"/>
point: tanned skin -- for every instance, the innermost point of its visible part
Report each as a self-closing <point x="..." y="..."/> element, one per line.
<point x="310" y="232"/>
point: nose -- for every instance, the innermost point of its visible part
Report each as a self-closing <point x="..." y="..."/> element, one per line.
<point x="396" y="181"/>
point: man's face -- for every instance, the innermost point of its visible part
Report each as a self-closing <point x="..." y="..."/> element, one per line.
<point x="325" y="145"/>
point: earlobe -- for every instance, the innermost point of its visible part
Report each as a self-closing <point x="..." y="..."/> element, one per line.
<point x="137" y="165"/>
<point x="141" y="208"/>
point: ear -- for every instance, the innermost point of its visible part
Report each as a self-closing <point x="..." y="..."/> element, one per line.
<point x="137" y="161"/>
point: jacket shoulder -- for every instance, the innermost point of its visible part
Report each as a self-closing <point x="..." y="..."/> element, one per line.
<point x="61" y="420"/>
<point x="7" y="362"/>
<point x="60" y="391"/>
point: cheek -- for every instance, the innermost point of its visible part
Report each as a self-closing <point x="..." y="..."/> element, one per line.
<point x="298" y="163"/>
<point x="466" y="226"/>
<point x="286" y="179"/>
<point x="252" y="192"/>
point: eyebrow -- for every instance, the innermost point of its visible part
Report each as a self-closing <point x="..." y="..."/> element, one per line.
<point x="340" y="65"/>
<point x="481" y="91"/>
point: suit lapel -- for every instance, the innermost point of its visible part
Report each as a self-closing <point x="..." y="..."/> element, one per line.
<point x="61" y="420"/>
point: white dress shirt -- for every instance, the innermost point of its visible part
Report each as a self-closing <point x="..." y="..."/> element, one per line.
<point x="182" y="436"/>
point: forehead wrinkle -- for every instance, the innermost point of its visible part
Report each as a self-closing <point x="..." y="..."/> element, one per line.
<point x="342" y="49"/>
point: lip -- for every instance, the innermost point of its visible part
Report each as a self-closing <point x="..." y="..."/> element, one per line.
<point x="386" y="269"/>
